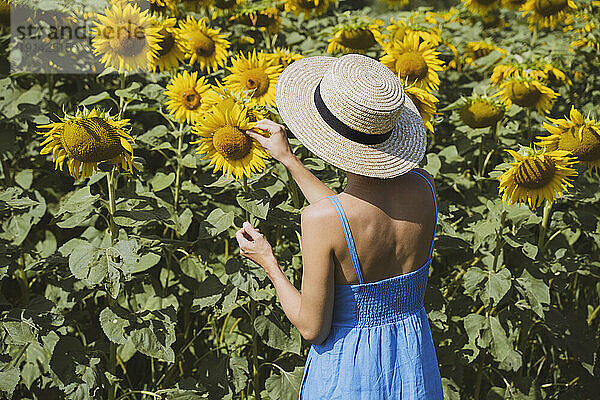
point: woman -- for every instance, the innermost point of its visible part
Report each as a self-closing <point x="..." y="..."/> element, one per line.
<point x="366" y="252"/>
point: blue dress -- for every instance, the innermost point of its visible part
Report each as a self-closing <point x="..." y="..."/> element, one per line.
<point x="380" y="345"/>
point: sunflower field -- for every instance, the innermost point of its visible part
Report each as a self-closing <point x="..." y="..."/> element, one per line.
<point x="125" y="172"/>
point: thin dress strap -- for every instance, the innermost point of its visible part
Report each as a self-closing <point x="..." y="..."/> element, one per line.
<point x="348" y="234"/>
<point x="434" y="204"/>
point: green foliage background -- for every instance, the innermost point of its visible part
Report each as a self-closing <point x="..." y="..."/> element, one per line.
<point x="190" y="319"/>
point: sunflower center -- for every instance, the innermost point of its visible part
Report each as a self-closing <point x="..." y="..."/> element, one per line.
<point x="482" y="52"/>
<point x="546" y="8"/>
<point x="190" y="99"/>
<point x="129" y="42"/>
<point x="225" y="4"/>
<point x="485" y="2"/>
<point x="524" y="95"/>
<point x="166" y="43"/>
<point x="232" y="143"/>
<point x="360" y="39"/>
<point x="480" y="114"/>
<point x="307" y="4"/>
<point x="586" y="149"/>
<point x="91" y="139"/>
<point x="413" y="66"/>
<point x="255" y="79"/>
<point x="535" y="173"/>
<point x="203" y="45"/>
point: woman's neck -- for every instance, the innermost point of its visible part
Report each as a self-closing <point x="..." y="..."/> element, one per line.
<point x="364" y="186"/>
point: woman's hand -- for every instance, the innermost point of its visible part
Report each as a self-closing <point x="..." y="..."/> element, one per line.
<point x="277" y="144"/>
<point x="255" y="246"/>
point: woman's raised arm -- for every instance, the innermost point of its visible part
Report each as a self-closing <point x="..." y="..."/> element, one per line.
<point x="279" y="148"/>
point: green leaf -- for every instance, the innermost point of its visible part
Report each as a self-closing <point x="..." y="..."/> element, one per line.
<point x="130" y="92"/>
<point x="285" y="386"/>
<point x="87" y="262"/>
<point x="96" y="98"/>
<point x="530" y="250"/>
<point x="536" y="291"/>
<point x="113" y="326"/>
<point x="217" y="221"/>
<point x="183" y="221"/>
<point x="239" y="371"/>
<point x="9" y="379"/>
<point x="24" y="178"/>
<point x="273" y="335"/>
<point x="256" y="202"/>
<point x="209" y="293"/>
<point x="498" y="284"/>
<point x="502" y="347"/>
<point x="145" y="262"/>
<point x="148" y="341"/>
<point x="161" y="181"/>
<point x="19" y="332"/>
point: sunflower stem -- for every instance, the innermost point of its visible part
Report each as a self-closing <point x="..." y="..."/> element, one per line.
<point x="112" y="183"/>
<point x="178" y="170"/>
<point x="480" y="160"/>
<point x="123" y="79"/>
<point x="544" y="226"/>
<point x="529" y="131"/>
<point x="255" y="365"/>
<point x="111" y="179"/>
<point x="499" y="240"/>
<point x="293" y="189"/>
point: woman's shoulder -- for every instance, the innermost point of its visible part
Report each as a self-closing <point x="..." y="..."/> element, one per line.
<point x="426" y="174"/>
<point x="319" y="210"/>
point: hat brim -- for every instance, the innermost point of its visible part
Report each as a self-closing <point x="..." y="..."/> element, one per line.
<point x="398" y="154"/>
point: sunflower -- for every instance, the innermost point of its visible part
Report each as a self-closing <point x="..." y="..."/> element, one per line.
<point x="586" y="41"/>
<point x="220" y="92"/>
<point x="481" y="112"/>
<point x="196" y="5"/>
<point x="536" y="177"/>
<point x="425" y="103"/>
<point x="262" y="16"/>
<point x="396" y="3"/>
<point x="203" y="45"/>
<point x="283" y="57"/>
<point x="528" y="93"/>
<point x="481" y="6"/>
<point x="126" y="37"/>
<point x="170" y="52"/>
<point x="547" y="13"/>
<point x="355" y="38"/>
<point x="254" y="74"/>
<point x="581" y="138"/>
<point x="476" y="50"/>
<point x="399" y="29"/>
<point x="539" y="70"/>
<point x="307" y="7"/>
<point x="225" y="142"/>
<point x="86" y="139"/>
<point x="225" y="7"/>
<point x="186" y="93"/>
<point x="513" y="4"/>
<point x="414" y="62"/>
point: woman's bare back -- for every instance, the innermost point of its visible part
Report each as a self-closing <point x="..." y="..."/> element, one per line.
<point x="392" y="227"/>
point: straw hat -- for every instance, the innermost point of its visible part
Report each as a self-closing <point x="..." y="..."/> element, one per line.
<point x="353" y="113"/>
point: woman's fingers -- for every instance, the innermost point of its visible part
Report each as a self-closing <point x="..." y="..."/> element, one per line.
<point x="259" y="138"/>
<point x="242" y="241"/>
<point x="251" y="231"/>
